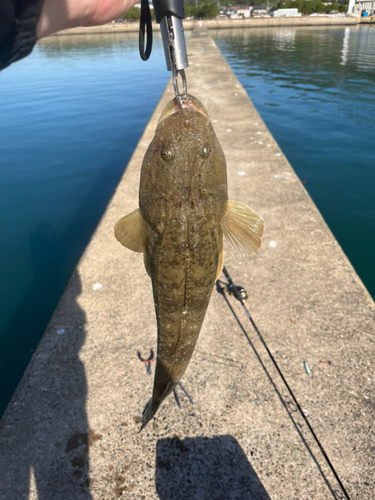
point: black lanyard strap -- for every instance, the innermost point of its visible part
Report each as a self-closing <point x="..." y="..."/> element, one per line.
<point x="145" y="20"/>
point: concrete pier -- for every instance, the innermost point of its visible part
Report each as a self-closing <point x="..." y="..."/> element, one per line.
<point x="70" y="431"/>
<point x="191" y="24"/>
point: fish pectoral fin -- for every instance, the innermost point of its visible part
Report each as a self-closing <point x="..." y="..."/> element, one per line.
<point x="221" y="259"/>
<point x="131" y="231"/>
<point x="243" y="227"/>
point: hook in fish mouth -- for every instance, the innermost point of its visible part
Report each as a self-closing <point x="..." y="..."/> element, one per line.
<point x="188" y="102"/>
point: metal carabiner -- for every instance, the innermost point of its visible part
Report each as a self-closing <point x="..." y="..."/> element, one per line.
<point x="175" y="85"/>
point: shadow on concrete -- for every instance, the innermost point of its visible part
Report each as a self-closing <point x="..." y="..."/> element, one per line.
<point x="51" y="446"/>
<point x="56" y="473"/>
<point x="53" y="438"/>
<point x="49" y="449"/>
<point x="205" y="469"/>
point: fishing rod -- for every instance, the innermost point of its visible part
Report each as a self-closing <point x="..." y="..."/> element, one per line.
<point x="169" y="14"/>
<point x="240" y="294"/>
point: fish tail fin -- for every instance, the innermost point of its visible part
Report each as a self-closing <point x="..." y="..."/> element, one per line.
<point x="148" y="412"/>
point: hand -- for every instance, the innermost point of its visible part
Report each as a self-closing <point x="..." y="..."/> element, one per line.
<point x="59" y="15"/>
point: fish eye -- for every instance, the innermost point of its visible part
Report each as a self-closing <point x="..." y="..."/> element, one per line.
<point x="206" y="150"/>
<point x="167" y="154"/>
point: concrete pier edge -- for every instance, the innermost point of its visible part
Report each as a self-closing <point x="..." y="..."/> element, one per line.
<point x="70" y="431"/>
<point x="191" y="24"/>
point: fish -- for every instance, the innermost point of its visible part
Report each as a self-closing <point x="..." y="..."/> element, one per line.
<point x="179" y="226"/>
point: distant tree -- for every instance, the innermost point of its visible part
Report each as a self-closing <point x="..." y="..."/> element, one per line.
<point x="320" y="7"/>
<point x="207" y="11"/>
<point x="308" y="7"/>
<point x="190" y="11"/>
<point x="133" y="14"/>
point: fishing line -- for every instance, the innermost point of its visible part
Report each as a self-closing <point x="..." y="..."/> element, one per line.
<point x="287" y="404"/>
<point x="239" y="295"/>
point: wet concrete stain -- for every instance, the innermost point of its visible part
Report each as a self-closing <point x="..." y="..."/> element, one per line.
<point x="86" y="439"/>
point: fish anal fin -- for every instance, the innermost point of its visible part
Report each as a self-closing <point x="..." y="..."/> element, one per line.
<point x="146" y="262"/>
<point x="221" y="259"/>
<point x="243" y="227"/>
<point x="131" y="231"/>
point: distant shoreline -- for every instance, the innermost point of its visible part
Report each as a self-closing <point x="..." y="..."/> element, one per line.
<point x="133" y="26"/>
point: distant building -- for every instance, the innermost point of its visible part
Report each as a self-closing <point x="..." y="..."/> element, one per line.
<point x="259" y="11"/>
<point x="361" y="6"/>
<point x="286" y="13"/>
<point x="236" y="12"/>
<point x="243" y="11"/>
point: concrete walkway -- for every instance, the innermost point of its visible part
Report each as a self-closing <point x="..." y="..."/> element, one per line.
<point x="70" y="431"/>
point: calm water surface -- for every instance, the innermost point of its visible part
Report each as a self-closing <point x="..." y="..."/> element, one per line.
<point x="315" y="89"/>
<point x="71" y="115"/>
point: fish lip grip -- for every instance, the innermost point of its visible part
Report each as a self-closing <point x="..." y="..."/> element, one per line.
<point x="164" y="8"/>
<point x="169" y="14"/>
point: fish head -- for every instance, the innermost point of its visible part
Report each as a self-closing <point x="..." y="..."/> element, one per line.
<point x="188" y="102"/>
<point x="184" y="162"/>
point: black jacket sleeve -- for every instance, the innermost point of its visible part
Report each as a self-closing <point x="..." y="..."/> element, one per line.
<point x="18" y="21"/>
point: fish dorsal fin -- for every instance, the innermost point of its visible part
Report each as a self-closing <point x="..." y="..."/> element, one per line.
<point x="243" y="227"/>
<point x="131" y="231"/>
<point x="221" y="257"/>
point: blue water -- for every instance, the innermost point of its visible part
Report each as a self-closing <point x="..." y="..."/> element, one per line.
<point x="71" y="115"/>
<point x="315" y="89"/>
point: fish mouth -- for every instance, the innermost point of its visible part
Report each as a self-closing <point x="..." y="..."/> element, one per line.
<point x="188" y="102"/>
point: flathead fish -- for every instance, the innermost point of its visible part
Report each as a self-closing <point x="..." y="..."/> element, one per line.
<point x="179" y="225"/>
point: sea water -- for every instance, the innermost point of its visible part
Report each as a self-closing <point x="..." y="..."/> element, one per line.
<point x="315" y="90"/>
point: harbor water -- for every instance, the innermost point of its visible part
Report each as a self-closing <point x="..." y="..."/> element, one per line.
<point x="315" y="90"/>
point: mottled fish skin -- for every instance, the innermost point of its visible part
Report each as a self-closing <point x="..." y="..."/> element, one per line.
<point x="183" y="213"/>
<point x="183" y="199"/>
